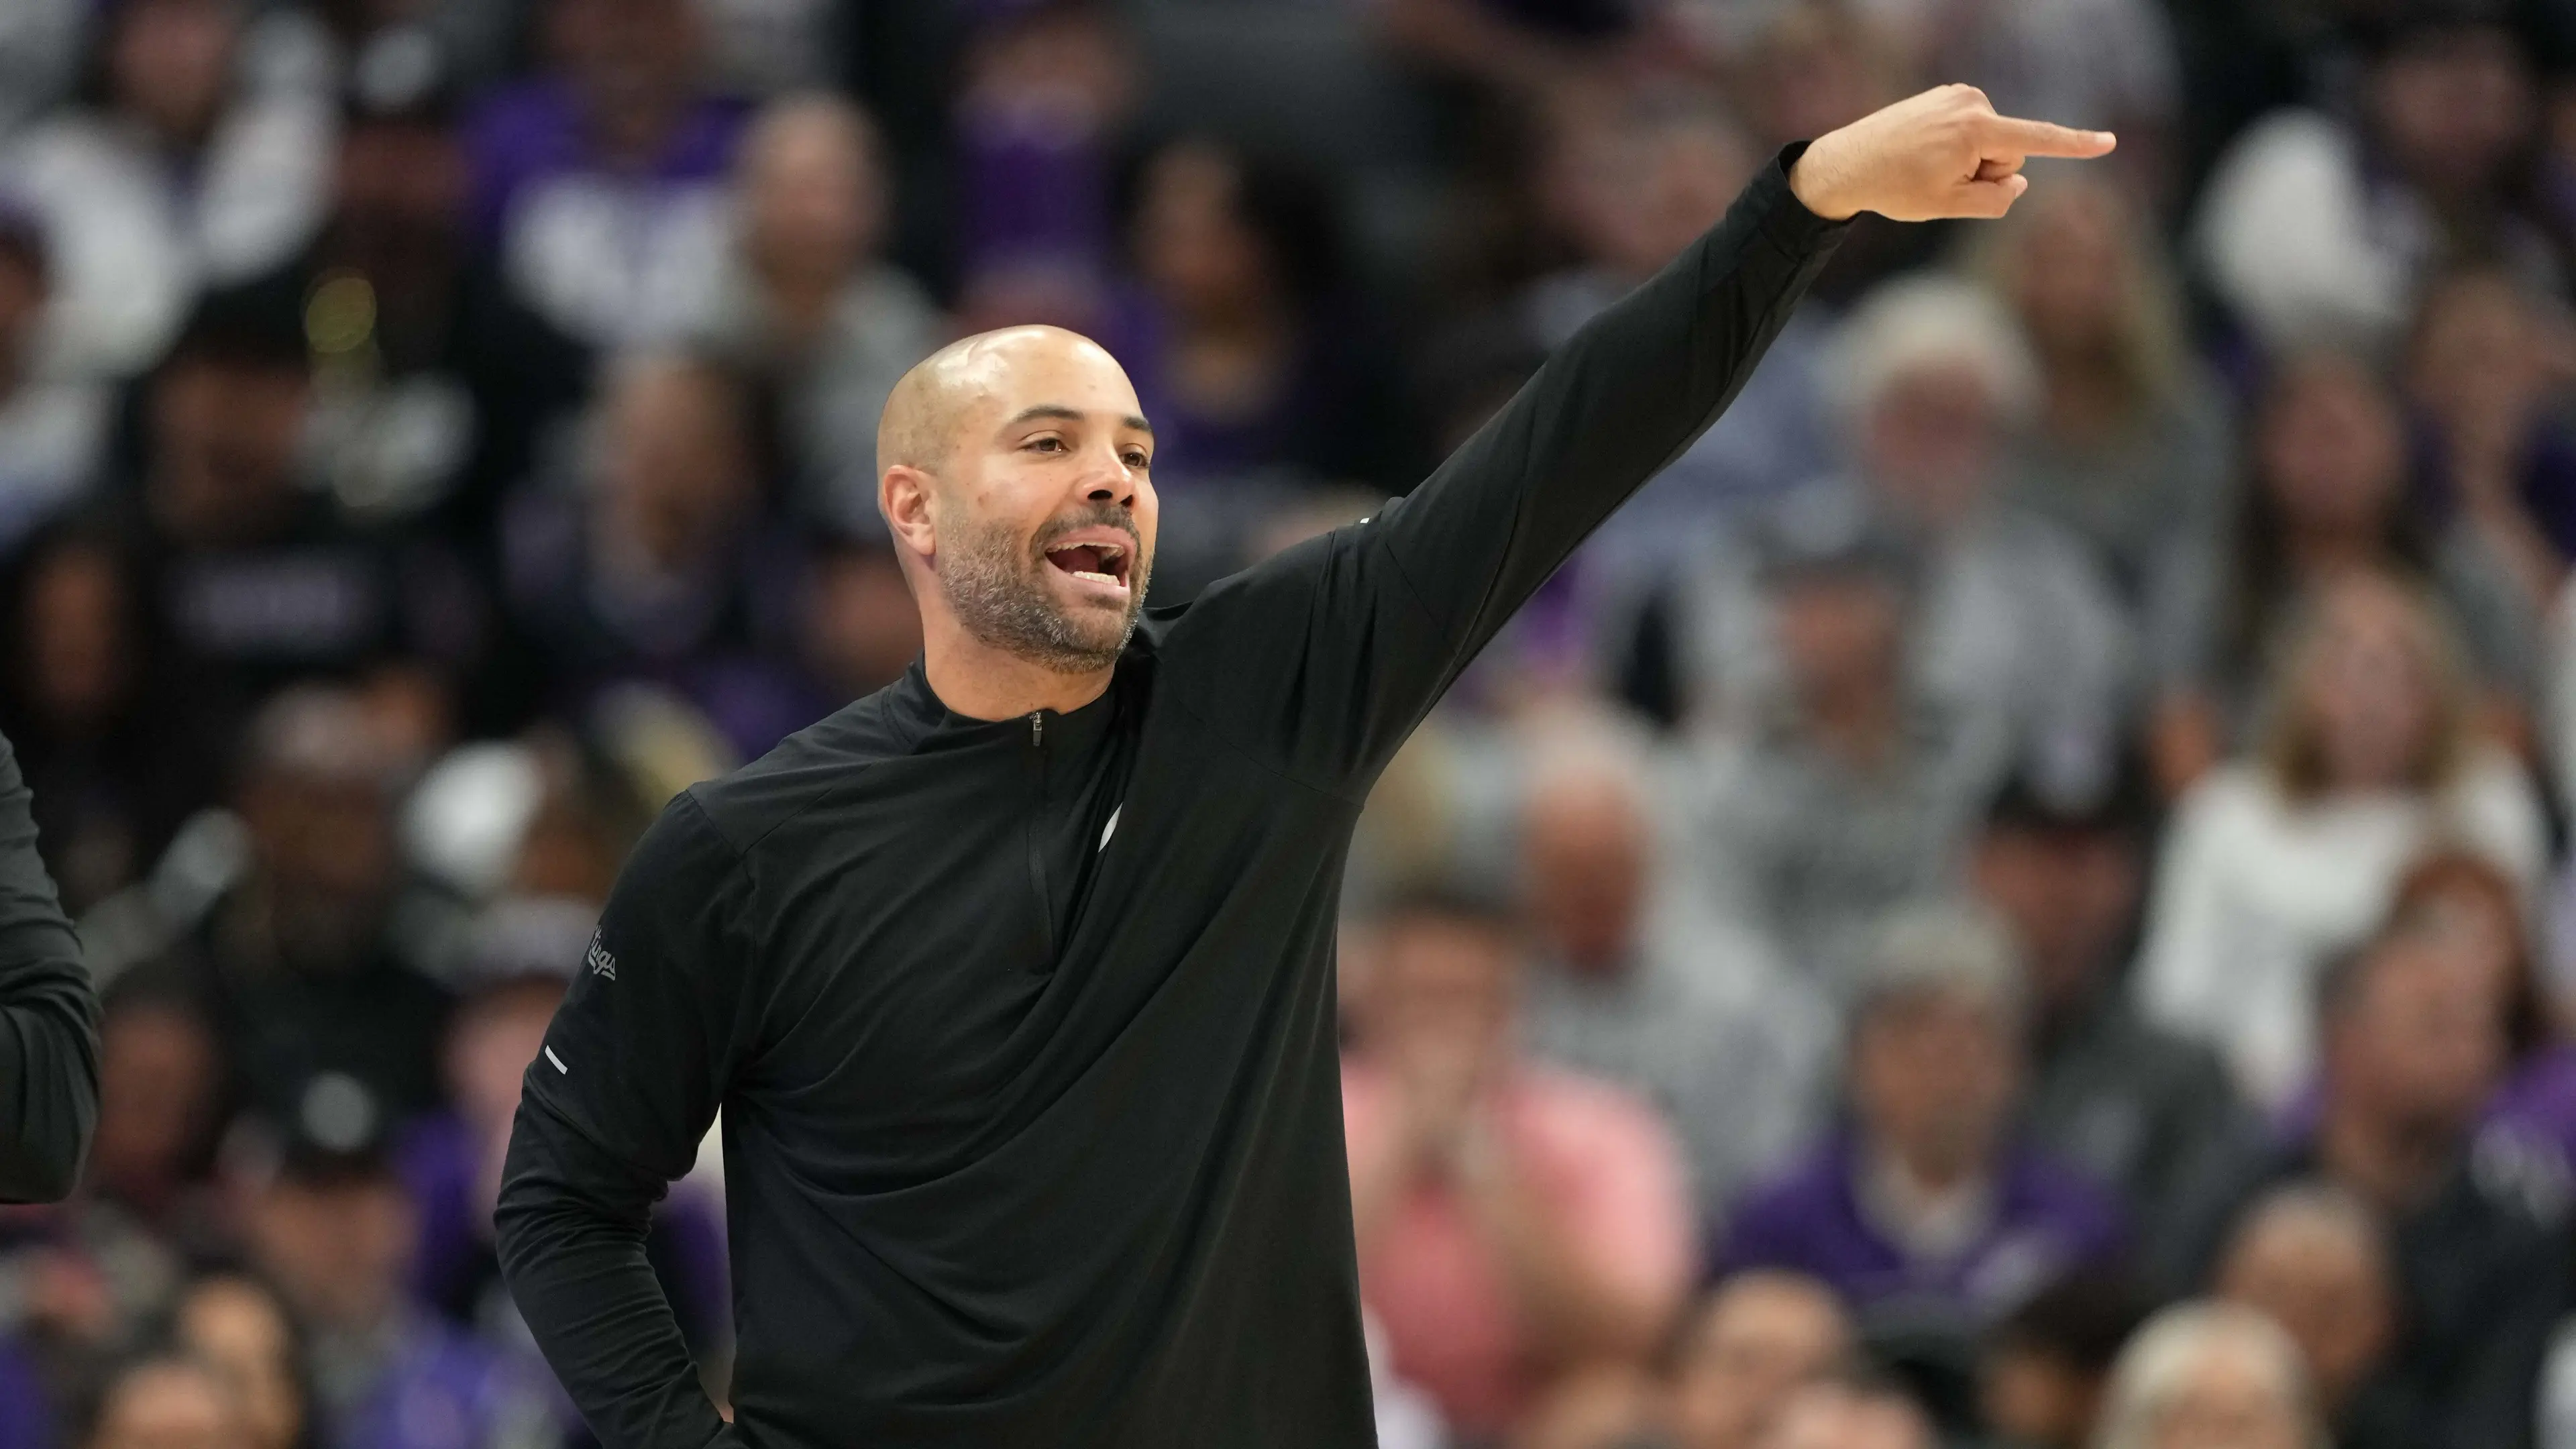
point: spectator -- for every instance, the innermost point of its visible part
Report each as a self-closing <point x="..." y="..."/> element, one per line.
<point x="809" y="307"/>
<point x="660" y="566"/>
<point x="121" y="738"/>
<point x="2485" y="380"/>
<point x="1759" y="1339"/>
<point x="2314" y="1259"/>
<point x="52" y="428"/>
<point x="1246" y="348"/>
<point x="2329" y="495"/>
<point x="859" y="629"/>
<point x="1851" y="1413"/>
<point x="2062" y="859"/>
<point x="328" y="1222"/>
<point x="2414" y="1043"/>
<point x="234" y="1323"/>
<point x="2276" y="862"/>
<point x="1848" y="792"/>
<point x="174" y="175"/>
<point x="2317" y="229"/>
<point x="1514" y="1223"/>
<point x="164" y="1095"/>
<point x="436" y="388"/>
<point x="170" y="1403"/>
<point x="1629" y="986"/>
<point x="2016" y="633"/>
<point x="2046" y="1368"/>
<point x="1605" y="1406"/>
<point x="1927" y="1213"/>
<point x="601" y="183"/>
<point x="2209" y="1376"/>
<point x="2129" y="447"/>
<point x="303" y="951"/>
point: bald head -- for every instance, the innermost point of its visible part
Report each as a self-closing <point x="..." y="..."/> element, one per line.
<point x="1013" y="471"/>
<point x="938" y="398"/>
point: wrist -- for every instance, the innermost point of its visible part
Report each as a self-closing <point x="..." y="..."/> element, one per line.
<point x="1815" y="180"/>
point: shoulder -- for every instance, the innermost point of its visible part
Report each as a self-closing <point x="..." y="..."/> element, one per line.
<point x="805" y="769"/>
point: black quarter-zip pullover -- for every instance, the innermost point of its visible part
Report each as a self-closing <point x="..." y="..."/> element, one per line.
<point x="1023" y="1030"/>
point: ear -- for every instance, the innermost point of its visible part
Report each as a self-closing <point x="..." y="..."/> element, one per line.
<point x="903" y="496"/>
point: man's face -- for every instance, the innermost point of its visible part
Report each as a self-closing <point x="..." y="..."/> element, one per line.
<point x="1838" y="633"/>
<point x="338" y="1251"/>
<point x="1043" y="508"/>
<point x="2329" y="1291"/>
<point x="1585" y="860"/>
<point x="1930" y="442"/>
<point x="1444" y="998"/>
<point x="226" y="434"/>
<point x="2067" y="894"/>
<point x="1933" y="1078"/>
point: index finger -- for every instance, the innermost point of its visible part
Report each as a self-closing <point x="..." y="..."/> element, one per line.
<point x="2043" y="138"/>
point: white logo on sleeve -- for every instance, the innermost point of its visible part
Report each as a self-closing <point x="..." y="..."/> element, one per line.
<point x="1108" y="830"/>
<point x="558" y="1061"/>
<point x="600" y="962"/>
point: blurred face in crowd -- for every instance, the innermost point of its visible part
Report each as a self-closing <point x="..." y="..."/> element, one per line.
<point x="325" y="840"/>
<point x="2366" y="696"/>
<point x="2420" y="1045"/>
<point x="2454" y="106"/>
<point x="226" y="432"/>
<point x="1443" y="1002"/>
<point x="399" y="214"/>
<point x="1016" y="476"/>
<point x="813" y="191"/>
<point x="171" y="1404"/>
<point x="1934" y="1072"/>
<point x="1930" y="440"/>
<point x="1762" y="1337"/>
<point x="678" y="469"/>
<point x="1632" y="185"/>
<point x="1603" y="1406"/>
<point x="2478" y="336"/>
<point x="2068" y="895"/>
<point x="2325" y="1279"/>
<point x="339" y="1249"/>
<point x="1828" y="1416"/>
<point x="2226" y="1401"/>
<point x="2034" y="1398"/>
<point x="633" y="62"/>
<point x="1816" y="69"/>
<point x="170" y="62"/>
<point x="239" y="1330"/>
<point x="1193" y="243"/>
<point x="861" y="627"/>
<point x="79" y="644"/>
<point x="1586" y="851"/>
<point x="1840" y="636"/>
<point x="22" y="310"/>
<point x="2330" y="451"/>
<point x="159" y="1081"/>
<point x="497" y="1032"/>
<point x="2070" y="272"/>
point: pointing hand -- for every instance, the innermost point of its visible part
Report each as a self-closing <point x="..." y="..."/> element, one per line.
<point x="1943" y="153"/>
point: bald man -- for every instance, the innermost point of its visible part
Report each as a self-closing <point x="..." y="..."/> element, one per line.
<point x="1014" y="979"/>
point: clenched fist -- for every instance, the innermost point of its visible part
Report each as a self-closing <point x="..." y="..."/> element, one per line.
<point x="1940" y="154"/>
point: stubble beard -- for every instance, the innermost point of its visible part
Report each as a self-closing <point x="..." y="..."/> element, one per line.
<point x="999" y="590"/>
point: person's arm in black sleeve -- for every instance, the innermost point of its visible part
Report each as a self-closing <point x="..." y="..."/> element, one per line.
<point x="48" y="1016"/>
<point x="1389" y="610"/>
<point x="612" y="1110"/>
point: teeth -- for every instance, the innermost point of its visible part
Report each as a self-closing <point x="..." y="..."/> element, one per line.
<point x="1108" y="579"/>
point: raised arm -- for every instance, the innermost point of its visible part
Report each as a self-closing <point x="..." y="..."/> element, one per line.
<point x="1369" y="624"/>
<point x="613" y="1109"/>
<point x="48" y="1016"/>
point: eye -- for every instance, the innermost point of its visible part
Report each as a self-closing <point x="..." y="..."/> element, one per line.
<point x="1050" y="443"/>
<point x="1137" y="460"/>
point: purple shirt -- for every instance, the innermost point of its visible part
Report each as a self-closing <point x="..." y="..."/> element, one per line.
<point x="2046" y="1221"/>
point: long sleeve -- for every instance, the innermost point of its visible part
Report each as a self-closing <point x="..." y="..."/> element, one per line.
<point x="633" y="1068"/>
<point x="1333" y="651"/>
<point x="48" y="1016"/>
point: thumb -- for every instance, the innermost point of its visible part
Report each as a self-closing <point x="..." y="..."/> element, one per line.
<point x="1991" y="198"/>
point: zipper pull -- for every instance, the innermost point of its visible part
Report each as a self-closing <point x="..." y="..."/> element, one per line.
<point x="1037" y="728"/>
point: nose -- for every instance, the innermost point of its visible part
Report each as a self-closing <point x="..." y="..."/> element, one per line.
<point x="1110" y="482"/>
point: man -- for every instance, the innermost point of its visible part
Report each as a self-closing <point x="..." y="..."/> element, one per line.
<point x="1633" y="986"/>
<point x="2062" y="858"/>
<point x="1855" y="1411"/>
<point x="1015" y="978"/>
<point x="2043" y="1372"/>
<point x="1515" y="1225"/>
<point x="48" y="1017"/>
<point x="1929" y="1215"/>
<point x="2413" y="1040"/>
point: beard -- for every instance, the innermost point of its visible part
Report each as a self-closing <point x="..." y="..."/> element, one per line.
<point x="1001" y="594"/>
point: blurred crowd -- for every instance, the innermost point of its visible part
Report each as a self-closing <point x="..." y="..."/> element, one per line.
<point x="2017" y="896"/>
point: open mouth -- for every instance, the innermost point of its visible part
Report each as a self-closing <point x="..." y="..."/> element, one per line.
<point x="1092" y="562"/>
